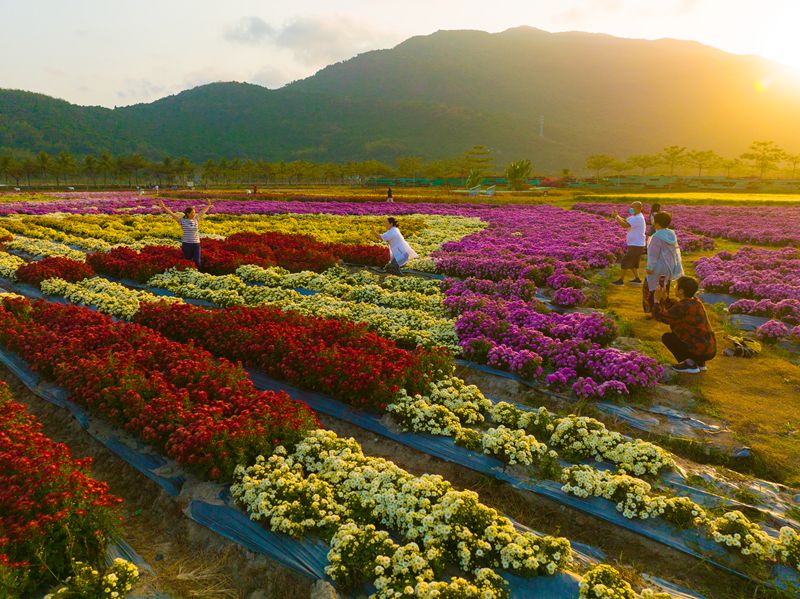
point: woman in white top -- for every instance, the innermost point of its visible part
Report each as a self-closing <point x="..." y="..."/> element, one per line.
<point x="399" y="250"/>
<point x="190" y="225"/>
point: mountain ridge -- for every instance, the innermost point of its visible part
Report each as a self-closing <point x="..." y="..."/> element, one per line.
<point x="438" y="94"/>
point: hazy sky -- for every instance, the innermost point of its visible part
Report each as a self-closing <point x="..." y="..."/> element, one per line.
<point x="115" y="52"/>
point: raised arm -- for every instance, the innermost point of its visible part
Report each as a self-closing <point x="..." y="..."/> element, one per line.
<point x="206" y="209"/>
<point x="621" y="221"/>
<point x="168" y="211"/>
<point x="375" y="232"/>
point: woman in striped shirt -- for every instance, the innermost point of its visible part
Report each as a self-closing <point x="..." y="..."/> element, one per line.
<point x="190" y="224"/>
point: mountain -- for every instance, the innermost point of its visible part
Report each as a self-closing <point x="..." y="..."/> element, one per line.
<point x="437" y="95"/>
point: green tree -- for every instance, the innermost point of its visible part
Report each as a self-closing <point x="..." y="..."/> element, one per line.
<point x="45" y="162"/>
<point x="730" y="164"/>
<point x="765" y="156"/>
<point x="29" y="168"/>
<point x="792" y="160"/>
<point x="106" y="166"/>
<point x="673" y="156"/>
<point x="644" y="161"/>
<point x="90" y="167"/>
<point x="409" y="166"/>
<point x="599" y="163"/>
<point x="63" y="166"/>
<point x="479" y="160"/>
<point x="518" y="173"/>
<point x="702" y="159"/>
<point x="6" y="162"/>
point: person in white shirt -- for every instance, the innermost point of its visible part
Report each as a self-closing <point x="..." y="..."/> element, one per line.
<point x="636" y="240"/>
<point x="399" y="250"/>
<point x="190" y="226"/>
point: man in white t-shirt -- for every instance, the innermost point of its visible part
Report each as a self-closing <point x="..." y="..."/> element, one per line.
<point x="636" y="240"/>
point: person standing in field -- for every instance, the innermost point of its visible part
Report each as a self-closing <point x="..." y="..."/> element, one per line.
<point x="190" y="226"/>
<point x="399" y="250"/>
<point x="651" y="224"/>
<point x="664" y="263"/>
<point x="389" y="197"/>
<point x="636" y="240"/>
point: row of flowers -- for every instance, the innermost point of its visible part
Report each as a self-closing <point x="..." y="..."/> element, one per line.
<point x="635" y="499"/>
<point x="337" y="357"/>
<point x="204" y="413"/>
<point x="408" y="326"/>
<point x="358" y="286"/>
<point x="54" y="517"/>
<point x="328" y="488"/>
<point x="417" y="388"/>
<point x="742" y="274"/>
<point x="426" y="233"/>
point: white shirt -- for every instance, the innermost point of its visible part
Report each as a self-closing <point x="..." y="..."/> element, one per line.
<point x="399" y="249"/>
<point x="637" y="232"/>
<point x="191" y="230"/>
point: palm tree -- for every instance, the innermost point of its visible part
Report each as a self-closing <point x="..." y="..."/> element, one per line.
<point x="518" y="173"/>
<point x="106" y="165"/>
<point x="90" y="168"/>
<point x="64" y="166"/>
<point x="44" y="161"/>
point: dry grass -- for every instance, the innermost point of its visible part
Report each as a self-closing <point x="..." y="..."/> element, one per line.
<point x="759" y="398"/>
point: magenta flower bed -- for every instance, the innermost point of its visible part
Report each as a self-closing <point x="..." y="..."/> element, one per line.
<point x="768" y="279"/>
<point x="767" y="225"/>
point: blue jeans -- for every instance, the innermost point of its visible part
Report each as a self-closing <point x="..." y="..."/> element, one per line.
<point x="191" y="251"/>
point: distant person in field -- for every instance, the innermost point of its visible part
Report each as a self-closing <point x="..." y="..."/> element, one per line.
<point x="190" y="225"/>
<point x="399" y="250"/>
<point x="664" y="263"/>
<point x="691" y="340"/>
<point x="636" y="240"/>
<point x="651" y="224"/>
<point x="389" y="197"/>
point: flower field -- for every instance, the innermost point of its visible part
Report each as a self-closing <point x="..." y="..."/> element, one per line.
<point x="53" y="515"/>
<point x="288" y="290"/>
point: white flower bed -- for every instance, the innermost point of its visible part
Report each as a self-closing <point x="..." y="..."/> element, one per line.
<point x="327" y="480"/>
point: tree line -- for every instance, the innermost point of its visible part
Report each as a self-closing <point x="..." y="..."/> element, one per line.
<point x="476" y="163"/>
<point x="762" y="157"/>
<point x="106" y="169"/>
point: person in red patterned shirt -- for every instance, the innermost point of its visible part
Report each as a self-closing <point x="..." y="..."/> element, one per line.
<point x="691" y="340"/>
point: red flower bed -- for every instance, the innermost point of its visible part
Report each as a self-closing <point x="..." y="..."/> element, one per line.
<point x="335" y="357"/>
<point x="203" y="413"/>
<point x="370" y="255"/>
<point x="293" y="252"/>
<point x="47" y="268"/>
<point x="51" y="511"/>
<point x="125" y="263"/>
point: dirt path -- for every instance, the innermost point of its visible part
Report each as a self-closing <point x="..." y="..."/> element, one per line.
<point x="188" y="559"/>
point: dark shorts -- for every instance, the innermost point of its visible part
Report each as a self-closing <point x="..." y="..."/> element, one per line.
<point x="632" y="256"/>
<point x="191" y="251"/>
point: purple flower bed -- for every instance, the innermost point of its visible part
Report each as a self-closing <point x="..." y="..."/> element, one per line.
<point x="516" y="336"/>
<point x="769" y="279"/>
<point x="768" y="225"/>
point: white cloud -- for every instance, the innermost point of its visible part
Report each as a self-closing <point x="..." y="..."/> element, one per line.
<point x="312" y="41"/>
<point x="249" y="30"/>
